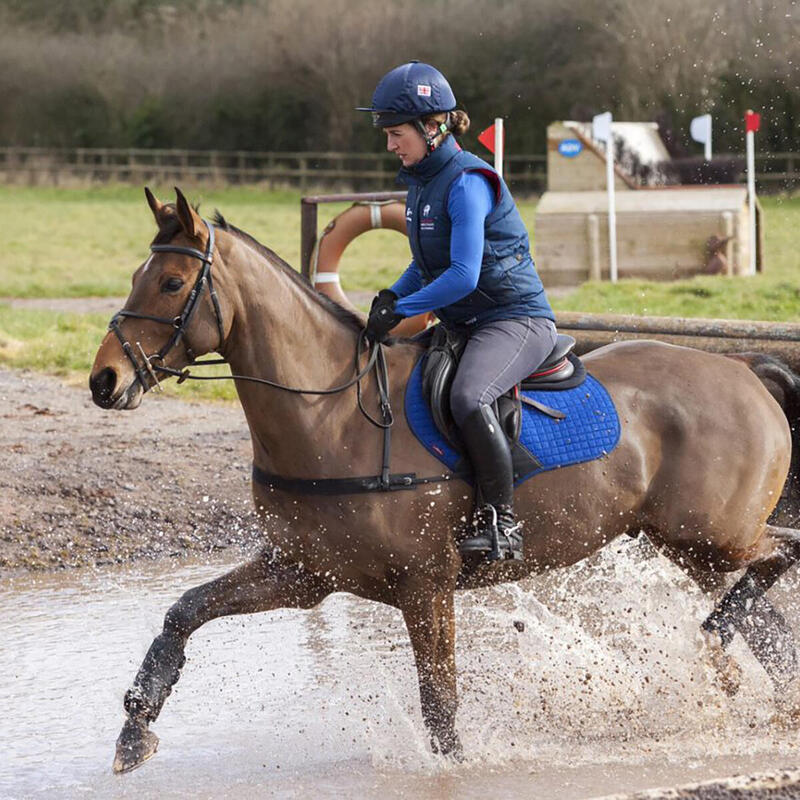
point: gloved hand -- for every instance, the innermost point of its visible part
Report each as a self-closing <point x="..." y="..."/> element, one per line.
<point x="382" y="316"/>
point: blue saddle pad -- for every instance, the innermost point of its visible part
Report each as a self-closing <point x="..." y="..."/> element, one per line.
<point x="590" y="430"/>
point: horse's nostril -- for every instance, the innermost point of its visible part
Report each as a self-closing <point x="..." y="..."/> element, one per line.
<point x="102" y="385"/>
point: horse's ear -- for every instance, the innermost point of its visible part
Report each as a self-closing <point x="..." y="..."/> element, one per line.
<point x="160" y="211"/>
<point x="189" y="218"/>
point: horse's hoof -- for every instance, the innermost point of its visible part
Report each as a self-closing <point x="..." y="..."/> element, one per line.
<point x="449" y="746"/>
<point x="727" y="671"/>
<point x="456" y="754"/>
<point x="136" y="743"/>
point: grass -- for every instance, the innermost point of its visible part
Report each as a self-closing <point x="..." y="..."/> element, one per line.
<point x="64" y="344"/>
<point x="87" y="242"/>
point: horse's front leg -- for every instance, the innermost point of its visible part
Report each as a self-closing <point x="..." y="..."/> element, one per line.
<point x="430" y="618"/>
<point x="259" y="585"/>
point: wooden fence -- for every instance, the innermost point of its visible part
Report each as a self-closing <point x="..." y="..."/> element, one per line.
<point x="304" y="170"/>
<point x="33" y="165"/>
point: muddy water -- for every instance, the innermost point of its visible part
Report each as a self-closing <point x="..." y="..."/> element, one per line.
<point x="604" y="690"/>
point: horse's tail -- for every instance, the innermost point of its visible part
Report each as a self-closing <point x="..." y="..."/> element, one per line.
<point x="783" y="384"/>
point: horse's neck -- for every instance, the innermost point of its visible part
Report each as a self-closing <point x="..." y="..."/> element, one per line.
<point x="281" y="332"/>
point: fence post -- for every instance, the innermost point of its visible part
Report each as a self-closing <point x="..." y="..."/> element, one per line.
<point x="308" y="234"/>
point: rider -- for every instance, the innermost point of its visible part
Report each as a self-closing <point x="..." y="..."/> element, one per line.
<point x="472" y="266"/>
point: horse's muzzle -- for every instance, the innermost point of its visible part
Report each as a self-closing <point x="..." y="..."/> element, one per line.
<point x="106" y="393"/>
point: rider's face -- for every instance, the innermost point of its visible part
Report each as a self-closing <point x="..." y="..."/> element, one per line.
<point x="406" y="142"/>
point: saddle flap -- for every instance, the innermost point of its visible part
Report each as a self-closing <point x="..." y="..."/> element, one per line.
<point x="441" y="361"/>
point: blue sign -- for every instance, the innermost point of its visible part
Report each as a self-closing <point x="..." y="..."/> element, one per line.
<point x="569" y="148"/>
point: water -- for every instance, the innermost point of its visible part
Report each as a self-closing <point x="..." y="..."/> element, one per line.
<point x="604" y="690"/>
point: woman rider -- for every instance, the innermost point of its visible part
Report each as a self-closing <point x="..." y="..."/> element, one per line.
<point x="472" y="266"/>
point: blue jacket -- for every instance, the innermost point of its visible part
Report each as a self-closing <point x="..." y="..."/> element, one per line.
<point x="508" y="285"/>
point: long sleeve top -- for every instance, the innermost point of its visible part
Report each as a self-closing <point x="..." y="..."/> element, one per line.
<point x="470" y="201"/>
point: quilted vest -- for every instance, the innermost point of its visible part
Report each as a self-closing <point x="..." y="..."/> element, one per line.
<point x="509" y="285"/>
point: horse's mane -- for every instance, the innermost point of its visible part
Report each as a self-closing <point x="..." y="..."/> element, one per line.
<point x="342" y="314"/>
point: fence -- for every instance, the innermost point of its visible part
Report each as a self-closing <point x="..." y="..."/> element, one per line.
<point x="304" y="170"/>
<point x="526" y="174"/>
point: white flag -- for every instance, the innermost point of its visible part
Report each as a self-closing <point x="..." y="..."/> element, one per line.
<point x="601" y="127"/>
<point x="700" y="129"/>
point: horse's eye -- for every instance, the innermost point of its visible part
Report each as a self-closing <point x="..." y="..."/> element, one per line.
<point x="172" y="285"/>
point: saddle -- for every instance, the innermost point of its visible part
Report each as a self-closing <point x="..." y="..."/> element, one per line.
<point x="562" y="369"/>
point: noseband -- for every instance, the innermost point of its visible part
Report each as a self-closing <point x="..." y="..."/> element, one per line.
<point x="147" y="367"/>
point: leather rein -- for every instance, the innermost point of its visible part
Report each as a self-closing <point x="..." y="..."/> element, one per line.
<point x="151" y="365"/>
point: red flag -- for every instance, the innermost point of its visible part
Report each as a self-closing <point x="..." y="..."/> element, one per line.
<point x="486" y="138"/>
<point x="752" y="121"/>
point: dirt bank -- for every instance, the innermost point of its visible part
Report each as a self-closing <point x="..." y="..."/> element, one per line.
<point x="81" y="486"/>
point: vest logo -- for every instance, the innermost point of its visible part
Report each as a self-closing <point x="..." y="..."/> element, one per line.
<point x="409" y="214"/>
<point x="426" y="221"/>
<point x="423" y="90"/>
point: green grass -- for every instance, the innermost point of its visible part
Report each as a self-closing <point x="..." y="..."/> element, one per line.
<point x="65" y="344"/>
<point x="85" y="242"/>
<point x="88" y="242"/>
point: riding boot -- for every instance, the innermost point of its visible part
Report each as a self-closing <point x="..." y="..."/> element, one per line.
<point x="497" y="535"/>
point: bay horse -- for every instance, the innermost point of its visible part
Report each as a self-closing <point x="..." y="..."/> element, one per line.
<point x="702" y="458"/>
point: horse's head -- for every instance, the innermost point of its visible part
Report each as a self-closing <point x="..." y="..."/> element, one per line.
<point x="172" y="314"/>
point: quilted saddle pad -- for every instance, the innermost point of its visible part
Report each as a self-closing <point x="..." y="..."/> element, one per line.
<point x="590" y="430"/>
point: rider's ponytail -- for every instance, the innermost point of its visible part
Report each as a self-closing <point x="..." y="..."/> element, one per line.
<point x="459" y="122"/>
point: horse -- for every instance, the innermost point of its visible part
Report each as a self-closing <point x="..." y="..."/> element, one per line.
<point x="702" y="458"/>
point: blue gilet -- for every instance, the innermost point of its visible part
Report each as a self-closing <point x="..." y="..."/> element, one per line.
<point x="509" y="285"/>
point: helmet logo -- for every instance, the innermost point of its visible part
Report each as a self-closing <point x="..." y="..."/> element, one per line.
<point x="423" y="90"/>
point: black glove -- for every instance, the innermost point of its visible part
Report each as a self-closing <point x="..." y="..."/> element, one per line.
<point x="382" y="316"/>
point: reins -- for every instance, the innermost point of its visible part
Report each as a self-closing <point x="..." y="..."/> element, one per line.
<point x="149" y="367"/>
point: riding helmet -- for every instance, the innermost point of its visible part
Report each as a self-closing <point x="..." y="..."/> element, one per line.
<point x="409" y="92"/>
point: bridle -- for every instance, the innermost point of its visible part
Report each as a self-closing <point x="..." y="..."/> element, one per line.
<point x="150" y="365"/>
<point x="386" y="481"/>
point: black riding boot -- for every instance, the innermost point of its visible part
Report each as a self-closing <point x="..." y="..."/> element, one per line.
<point x="497" y="536"/>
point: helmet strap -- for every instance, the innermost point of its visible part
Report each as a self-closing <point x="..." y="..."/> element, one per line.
<point x="430" y="141"/>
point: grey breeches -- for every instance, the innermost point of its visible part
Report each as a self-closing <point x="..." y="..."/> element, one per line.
<point x="497" y="357"/>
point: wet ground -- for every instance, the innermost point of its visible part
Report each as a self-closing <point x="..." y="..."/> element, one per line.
<point x="604" y="690"/>
<point x="80" y="486"/>
<point x="580" y="684"/>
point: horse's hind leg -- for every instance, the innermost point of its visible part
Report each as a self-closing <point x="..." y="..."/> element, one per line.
<point x="745" y="608"/>
<point x="763" y="627"/>
<point x="259" y="585"/>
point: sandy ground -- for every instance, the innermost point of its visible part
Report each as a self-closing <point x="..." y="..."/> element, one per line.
<point x="82" y="486"/>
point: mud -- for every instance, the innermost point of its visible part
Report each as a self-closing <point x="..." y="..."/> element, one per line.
<point x="81" y="486"/>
